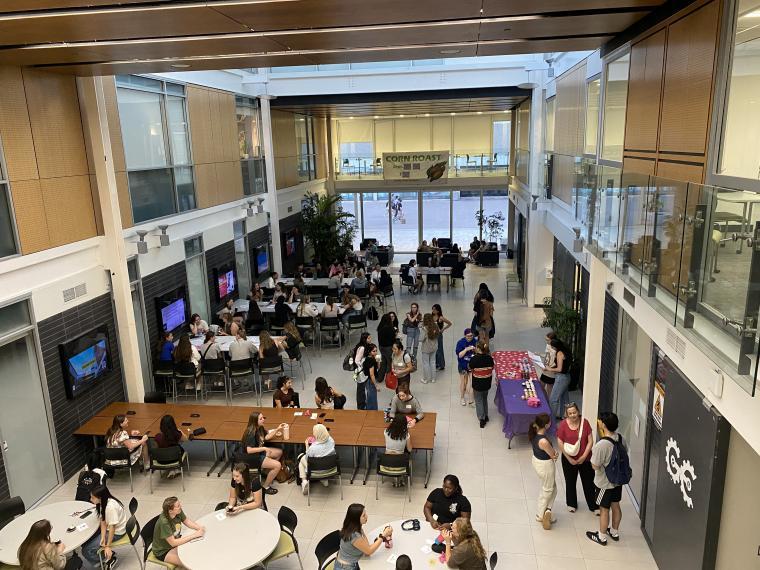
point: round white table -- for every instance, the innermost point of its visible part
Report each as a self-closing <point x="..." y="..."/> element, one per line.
<point x="60" y="517"/>
<point x="409" y="542"/>
<point x="234" y="542"/>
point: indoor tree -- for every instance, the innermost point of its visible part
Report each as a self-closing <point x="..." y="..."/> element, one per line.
<point x="492" y="225"/>
<point x="327" y="228"/>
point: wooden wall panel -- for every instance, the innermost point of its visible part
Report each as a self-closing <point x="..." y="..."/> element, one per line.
<point x="680" y="171"/>
<point x="231" y="150"/>
<point x="61" y="197"/>
<point x="284" y="134"/>
<point x="320" y="142"/>
<point x="229" y="181"/>
<point x="114" y="125"/>
<point x="205" y="185"/>
<point x="15" y="129"/>
<point x="640" y="165"/>
<point x="125" y="202"/>
<point x="96" y="209"/>
<point x="687" y="91"/>
<point x="569" y="114"/>
<point x="200" y="124"/>
<point x="644" y="90"/>
<point x="56" y="124"/>
<point x="30" y="216"/>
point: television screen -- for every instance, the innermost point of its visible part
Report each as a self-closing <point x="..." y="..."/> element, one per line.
<point x="226" y="283"/>
<point x="262" y="262"/>
<point x="290" y="246"/>
<point x="84" y="360"/>
<point x="173" y="314"/>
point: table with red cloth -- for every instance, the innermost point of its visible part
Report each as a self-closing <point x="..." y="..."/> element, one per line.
<point x="508" y="364"/>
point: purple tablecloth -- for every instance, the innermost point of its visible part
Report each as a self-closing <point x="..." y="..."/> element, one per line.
<point x="518" y="415"/>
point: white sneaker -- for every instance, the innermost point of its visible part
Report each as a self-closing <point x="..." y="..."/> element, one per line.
<point x="304" y="486"/>
<point x="423" y="381"/>
<point x="463" y="402"/>
<point x="325" y="482"/>
<point x="433" y="380"/>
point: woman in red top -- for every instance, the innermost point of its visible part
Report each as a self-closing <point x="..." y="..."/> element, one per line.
<point x="576" y="461"/>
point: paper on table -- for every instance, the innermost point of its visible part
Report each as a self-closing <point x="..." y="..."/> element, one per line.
<point x="297" y="413"/>
<point x="314" y="416"/>
<point x="392" y="559"/>
<point x="426" y="550"/>
<point x="81" y="527"/>
<point x="429" y="541"/>
<point x="220" y="516"/>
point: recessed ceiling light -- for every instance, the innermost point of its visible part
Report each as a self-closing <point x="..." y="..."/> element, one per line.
<point x="480" y="112"/>
<point x="401" y="116"/>
<point x="377" y="116"/>
<point x="179" y="65"/>
<point x="351" y="118"/>
<point x="449" y="51"/>
<point x="427" y="114"/>
<point x="506" y="110"/>
<point x="755" y="14"/>
<point x="452" y="114"/>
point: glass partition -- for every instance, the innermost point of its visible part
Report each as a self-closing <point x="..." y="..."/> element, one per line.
<point x="375" y="217"/>
<point x="615" y="97"/>
<point x="436" y="215"/>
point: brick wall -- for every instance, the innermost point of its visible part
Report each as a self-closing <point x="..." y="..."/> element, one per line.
<point x="68" y="415"/>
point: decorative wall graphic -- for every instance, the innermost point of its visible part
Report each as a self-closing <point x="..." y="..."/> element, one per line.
<point x="428" y="165"/>
<point x="682" y="474"/>
<point x="658" y="404"/>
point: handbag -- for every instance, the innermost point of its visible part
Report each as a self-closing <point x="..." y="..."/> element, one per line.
<point x="405" y="327"/>
<point x="348" y="362"/>
<point x="391" y="381"/>
<point x="572" y="449"/>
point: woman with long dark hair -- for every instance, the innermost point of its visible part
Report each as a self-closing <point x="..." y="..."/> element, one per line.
<point x="560" y="395"/>
<point x="324" y="394"/>
<point x="282" y="311"/>
<point x="254" y="317"/>
<point x="412" y="322"/>
<point x="259" y="455"/>
<point x="443" y="324"/>
<point x="543" y="460"/>
<point x="374" y="381"/>
<point x="186" y="352"/>
<point x="398" y="440"/>
<point x="169" y="436"/>
<point x="245" y="491"/>
<point x="359" y="353"/>
<point x="469" y="552"/>
<point x="118" y="436"/>
<point x="445" y="505"/>
<point x="38" y="552"/>
<point x="353" y="541"/>
<point x="386" y="336"/>
<point x="284" y="395"/>
<point x="113" y="525"/>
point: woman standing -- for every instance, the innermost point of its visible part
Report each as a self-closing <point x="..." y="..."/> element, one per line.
<point x="481" y="367"/>
<point x="360" y="379"/>
<point x="370" y="367"/>
<point x="353" y="541"/>
<point x="401" y="363"/>
<point x="469" y="553"/>
<point x="560" y="392"/>
<point x="465" y="350"/>
<point x="113" y="525"/>
<point x="543" y="460"/>
<point x="575" y="445"/>
<point x="443" y="324"/>
<point x="386" y="336"/>
<point x="430" y="334"/>
<point x="254" y="442"/>
<point x="38" y="552"/>
<point x="550" y="360"/>
<point x="412" y="325"/>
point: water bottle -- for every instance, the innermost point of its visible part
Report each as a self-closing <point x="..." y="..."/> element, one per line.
<point x="286" y="432"/>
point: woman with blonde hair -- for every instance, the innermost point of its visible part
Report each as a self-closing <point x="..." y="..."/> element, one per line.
<point x="320" y="444"/>
<point x="38" y="552"/>
<point x="429" y="346"/>
<point x="469" y="552"/>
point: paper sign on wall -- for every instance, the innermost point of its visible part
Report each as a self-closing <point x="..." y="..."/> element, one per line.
<point x="658" y="404"/>
<point x="425" y="165"/>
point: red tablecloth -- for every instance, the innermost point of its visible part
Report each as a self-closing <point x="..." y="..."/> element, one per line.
<point x="508" y="364"/>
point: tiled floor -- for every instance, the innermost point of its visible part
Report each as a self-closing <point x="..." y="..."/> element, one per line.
<point x="500" y="483"/>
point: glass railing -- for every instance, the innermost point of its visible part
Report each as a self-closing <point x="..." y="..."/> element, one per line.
<point x="460" y="165"/>
<point x="690" y="250"/>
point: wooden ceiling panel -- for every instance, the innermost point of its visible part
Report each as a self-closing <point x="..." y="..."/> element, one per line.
<point x="493" y="8"/>
<point x="509" y="47"/>
<point x="37" y="5"/>
<point x="559" y="26"/>
<point x="148" y="22"/>
<point x="310" y="14"/>
<point x="392" y="53"/>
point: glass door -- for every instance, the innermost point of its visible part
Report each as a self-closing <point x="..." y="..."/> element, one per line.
<point x="27" y="445"/>
<point x="196" y="277"/>
<point x="375" y="217"/>
<point x="405" y="221"/>
<point x="142" y="336"/>
<point x="436" y="215"/>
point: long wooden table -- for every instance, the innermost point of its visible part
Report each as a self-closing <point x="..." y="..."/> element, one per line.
<point x="352" y="428"/>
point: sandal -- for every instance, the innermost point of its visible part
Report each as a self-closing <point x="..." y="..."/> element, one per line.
<point x="270" y="491"/>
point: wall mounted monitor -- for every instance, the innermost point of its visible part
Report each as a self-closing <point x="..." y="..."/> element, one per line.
<point x="85" y="360"/>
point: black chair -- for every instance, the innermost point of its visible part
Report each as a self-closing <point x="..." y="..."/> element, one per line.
<point x="295" y="359"/>
<point x="423" y="258"/>
<point x="133" y="505"/>
<point x="327" y="549"/>
<point x="155" y="398"/>
<point x="330" y="325"/>
<point x="334" y="293"/>
<point x="433" y="279"/>
<point x="147" y="537"/>
<point x="355" y="323"/>
<point x="287" y="544"/>
<point x="10" y="509"/>
<point x="389" y="293"/>
<point x="215" y="372"/>
<point x="184" y="373"/>
<point x="322" y="469"/>
<point x="406" y="281"/>
<point x="267" y="293"/>
<point x="488" y="258"/>
<point x="254" y="329"/>
<point x="271" y="366"/>
<point x="493" y="560"/>
<point x="130" y="537"/>
<point x="119" y="454"/>
<point x="396" y="466"/>
<point x="166" y="459"/>
<point x="163" y="376"/>
<point x="449" y="260"/>
<point x="457" y="272"/>
<point x="242" y="368"/>
<point x="306" y="325"/>
<point x="444" y="243"/>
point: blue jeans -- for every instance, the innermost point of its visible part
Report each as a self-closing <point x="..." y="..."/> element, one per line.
<point x="440" y="359"/>
<point x="91" y="547"/>
<point x="371" y="395"/>
<point x="428" y="366"/>
<point x="560" y="394"/>
<point x="412" y="340"/>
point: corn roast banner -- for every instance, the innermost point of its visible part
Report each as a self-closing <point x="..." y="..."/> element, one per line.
<point x="426" y="165"/>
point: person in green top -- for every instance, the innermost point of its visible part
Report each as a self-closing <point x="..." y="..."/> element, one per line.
<point x="167" y="535"/>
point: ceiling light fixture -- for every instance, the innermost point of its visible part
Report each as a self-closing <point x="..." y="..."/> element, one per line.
<point x="351" y="118"/>
<point x="376" y="116"/>
<point x="450" y="51"/>
<point x="480" y="112"/>
<point x="401" y="116"/>
<point x="179" y="66"/>
<point x="452" y="114"/>
<point x="427" y="114"/>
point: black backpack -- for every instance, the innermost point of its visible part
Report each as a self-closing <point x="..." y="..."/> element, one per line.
<point x="372" y="314"/>
<point x="618" y="470"/>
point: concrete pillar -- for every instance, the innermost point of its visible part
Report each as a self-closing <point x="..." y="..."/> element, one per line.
<point x="511" y="226"/>
<point x="540" y="257"/>
<point x="272" y="204"/>
<point x="594" y="327"/>
<point x="95" y="122"/>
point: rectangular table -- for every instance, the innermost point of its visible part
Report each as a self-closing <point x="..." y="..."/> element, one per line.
<point x="508" y="364"/>
<point x="445" y="271"/>
<point x="518" y="415"/>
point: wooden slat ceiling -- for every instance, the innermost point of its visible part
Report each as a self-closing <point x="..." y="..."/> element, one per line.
<point x="94" y="37"/>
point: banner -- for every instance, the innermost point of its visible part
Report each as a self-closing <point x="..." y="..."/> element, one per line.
<point x="426" y="165"/>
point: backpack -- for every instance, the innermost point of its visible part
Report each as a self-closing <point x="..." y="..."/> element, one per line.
<point x="348" y="362"/>
<point x="372" y="314"/>
<point x="413" y="360"/>
<point x="618" y="470"/>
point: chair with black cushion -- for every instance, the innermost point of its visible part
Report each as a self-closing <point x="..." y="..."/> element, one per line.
<point x="444" y="243"/>
<point x="184" y="373"/>
<point x="493" y="560"/>
<point x="214" y="377"/>
<point x="334" y="293"/>
<point x="294" y="359"/>
<point x="166" y="459"/>
<point x="306" y="325"/>
<point x="433" y="279"/>
<point x="389" y="293"/>
<point x="154" y="398"/>
<point x="163" y="376"/>
<point x="322" y="469"/>
<point x="147" y="537"/>
<point x="287" y="544"/>
<point x="254" y="329"/>
<point x="397" y="466"/>
<point x="120" y="454"/>
<point x="330" y="325"/>
<point x="267" y="293"/>
<point x="271" y="366"/>
<point x="240" y="370"/>
<point x="327" y="550"/>
<point x="449" y="260"/>
<point x="130" y="537"/>
<point x="406" y="281"/>
<point x="133" y="504"/>
<point x="355" y="323"/>
<point x="10" y="509"/>
<point x="457" y="272"/>
<point x="423" y="258"/>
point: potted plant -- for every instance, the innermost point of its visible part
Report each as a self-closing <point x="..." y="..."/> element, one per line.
<point x="327" y="229"/>
<point x="492" y="225"/>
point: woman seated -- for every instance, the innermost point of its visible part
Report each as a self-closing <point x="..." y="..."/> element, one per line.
<point x="165" y="347"/>
<point x="320" y="444"/>
<point x="445" y="505"/>
<point x="210" y="349"/>
<point x="269" y="349"/>
<point x="331" y="309"/>
<point x="259" y="456"/>
<point x="37" y="551"/>
<point x="292" y="341"/>
<point x="169" y="436"/>
<point x="405" y="404"/>
<point x="241" y="348"/>
<point x="167" y="534"/>
<point x="254" y="318"/>
<point x="282" y="312"/>
<point x="398" y="440"/>
<point x="245" y="491"/>
<point x="360" y="281"/>
<point x="285" y="396"/>
<point x="306" y="308"/>
<point x="256" y="294"/>
<point x="353" y="540"/>
<point x="295" y="294"/>
<point x="469" y="552"/>
<point x="279" y="291"/>
<point x="197" y="325"/>
<point x="113" y="525"/>
<point x="299" y="282"/>
<point x="118" y="436"/>
<point x="324" y="395"/>
<point x="353" y="307"/>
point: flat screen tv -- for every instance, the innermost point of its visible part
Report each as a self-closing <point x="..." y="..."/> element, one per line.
<point x="226" y="284"/>
<point x="172" y="310"/>
<point x="262" y="262"/>
<point x="85" y="360"/>
<point x="290" y="246"/>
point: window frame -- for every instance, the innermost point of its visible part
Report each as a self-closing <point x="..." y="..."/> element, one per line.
<point x="614" y="56"/>
<point x="599" y="113"/>
<point x="5" y="187"/>
<point x="164" y="93"/>
<point x="252" y="162"/>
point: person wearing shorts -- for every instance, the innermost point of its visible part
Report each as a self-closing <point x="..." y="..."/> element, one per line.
<point x="608" y="496"/>
<point x="465" y="350"/>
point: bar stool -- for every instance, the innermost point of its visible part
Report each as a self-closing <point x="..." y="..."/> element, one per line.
<point x="214" y="370"/>
<point x="185" y="372"/>
<point x="268" y="367"/>
<point x="241" y="369"/>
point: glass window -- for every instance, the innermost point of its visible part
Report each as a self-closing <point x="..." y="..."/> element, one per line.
<point x="178" y="131"/>
<point x="436" y="215"/>
<point x="375" y="217"/>
<point x="615" y="96"/>
<point x="152" y="194"/>
<point x="501" y="136"/>
<point x="593" y="89"/>
<point x="193" y="246"/>
<point x="495" y="206"/>
<point x="249" y="125"/>
<point x="142" y="129"/>
<point x="465" y="208"/>
<point x="741" y="131"/>
<point x="183" y="178"/>
<point x="8" y="245"/>
<point x="549" y="125"/>
<point x="350" y="203"/>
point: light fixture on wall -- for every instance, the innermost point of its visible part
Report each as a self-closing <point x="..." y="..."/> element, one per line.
<point x="164" y="237"/>
<point x="260" y="206"/>
<point x="534" y="204"/>
<point x="250" y="210"/>
<point x="578" y="241"/>
<point x="142" y="245"/>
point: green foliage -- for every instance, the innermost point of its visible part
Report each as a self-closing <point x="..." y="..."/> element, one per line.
<point x="326" y="227"/>
<point x="491" y="226"/>
<point x="562" y="319"/>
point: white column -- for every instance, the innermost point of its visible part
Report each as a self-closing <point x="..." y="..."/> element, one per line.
<point x="95" y="122"/>
<point x="540" y="255"/>
<point x="536" y="131"/>
<point x="271" y="204"/>
<point x="594" y="326"/>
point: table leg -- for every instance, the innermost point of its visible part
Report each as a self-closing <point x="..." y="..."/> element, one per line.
<point x="367" y="460"/>
<point x="745" y="224"/>
<point x="227" y="462"/>
<point x="509" y="443"/>
<point x="428" y="463"/>
<point x="217" y="459"/>
<point x="448" y="282"/>
<point x="356" y="464"/>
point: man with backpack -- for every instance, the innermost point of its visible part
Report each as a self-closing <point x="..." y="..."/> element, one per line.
<point x="609" y="459"/>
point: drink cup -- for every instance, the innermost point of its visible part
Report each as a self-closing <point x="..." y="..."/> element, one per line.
<point x="286" y="429"/>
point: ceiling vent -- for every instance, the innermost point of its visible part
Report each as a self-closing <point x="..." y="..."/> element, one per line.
<point x="74" y="292"/>
<point x="675" y="342"/>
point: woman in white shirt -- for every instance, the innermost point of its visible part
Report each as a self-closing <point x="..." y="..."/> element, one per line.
<point x="197" y="325"/>
<point x="241" y="348"/>
<point x="318" y="445"/>
<point x="118" y="436"/>
<point x="113" y="525"/>
<point x="306" y="309"/>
